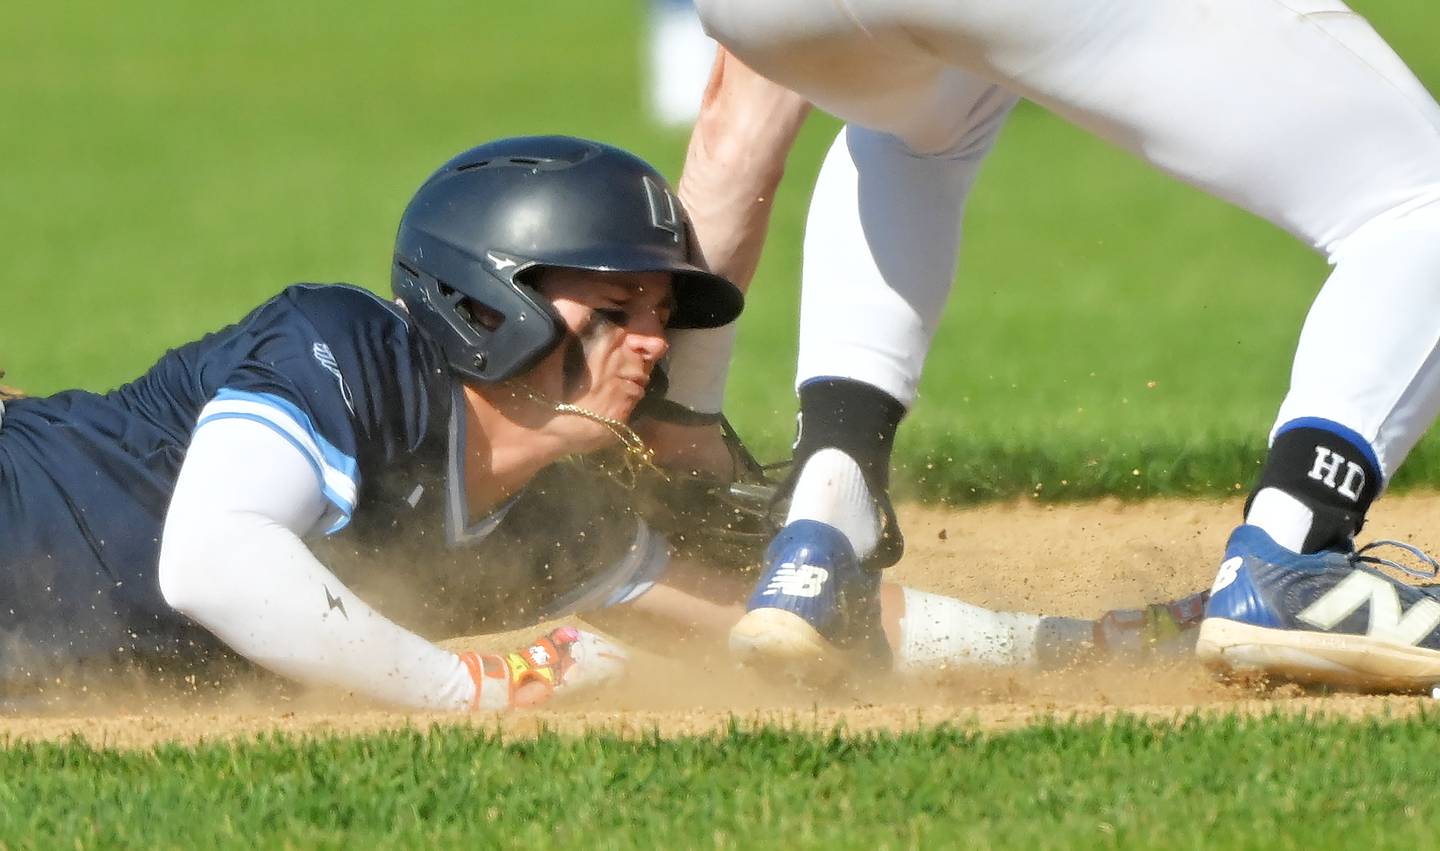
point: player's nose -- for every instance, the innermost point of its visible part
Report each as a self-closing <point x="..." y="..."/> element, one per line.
<point x="649" y="343"/>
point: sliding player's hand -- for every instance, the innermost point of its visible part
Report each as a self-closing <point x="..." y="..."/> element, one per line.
<point x="563" y="661"/>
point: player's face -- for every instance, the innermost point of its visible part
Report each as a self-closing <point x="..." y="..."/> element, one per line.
<point x="619" y="319"/>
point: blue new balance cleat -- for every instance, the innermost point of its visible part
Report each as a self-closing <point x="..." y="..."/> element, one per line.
<point x="815" y="608"/>
<point x="1322" y="618"/>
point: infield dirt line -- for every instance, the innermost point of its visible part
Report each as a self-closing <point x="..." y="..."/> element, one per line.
<point x="1078" y="559"/>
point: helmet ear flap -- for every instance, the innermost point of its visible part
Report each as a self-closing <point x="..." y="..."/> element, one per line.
<point x="481" y="341"/>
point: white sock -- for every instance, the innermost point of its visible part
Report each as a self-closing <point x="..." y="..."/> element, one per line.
<point x="832" y="490"/>
<point x="942" y="631"/>
<point x="1283" y="517"/>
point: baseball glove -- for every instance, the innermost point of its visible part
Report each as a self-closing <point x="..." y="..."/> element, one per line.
<point x="727" y="524"/>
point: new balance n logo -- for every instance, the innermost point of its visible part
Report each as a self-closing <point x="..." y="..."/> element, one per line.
<point x="1229" y="569"/>
<point x="1386" y="621"/>
<point x="797" y="580"/>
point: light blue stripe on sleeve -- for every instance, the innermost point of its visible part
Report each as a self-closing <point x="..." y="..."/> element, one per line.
<point x="338" y="473"/>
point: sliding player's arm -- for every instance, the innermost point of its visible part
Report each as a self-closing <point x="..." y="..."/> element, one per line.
<point x="234" y="560"/>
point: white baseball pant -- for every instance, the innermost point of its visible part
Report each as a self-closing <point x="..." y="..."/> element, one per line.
<point x="1295" y="110"/>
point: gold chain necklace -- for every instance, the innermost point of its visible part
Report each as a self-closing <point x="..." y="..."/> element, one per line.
<point x="636" y="452"/>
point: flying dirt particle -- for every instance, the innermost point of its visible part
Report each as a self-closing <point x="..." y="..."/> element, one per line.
<point x="944" y="535"/>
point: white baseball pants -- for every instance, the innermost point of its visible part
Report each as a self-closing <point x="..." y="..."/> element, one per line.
<point x="1295" y="110"/>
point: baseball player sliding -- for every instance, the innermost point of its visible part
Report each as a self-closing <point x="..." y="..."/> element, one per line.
<point x="169" y="521"/>
<point x="1295" y="110"/>
<point x="321" y="485"/>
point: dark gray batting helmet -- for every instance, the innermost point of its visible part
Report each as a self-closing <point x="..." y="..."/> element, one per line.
<point x="505" y="208"/>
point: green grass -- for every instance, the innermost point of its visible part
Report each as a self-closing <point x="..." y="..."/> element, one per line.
<point x="168" y="166"/>
<point x="1271" y="782"/>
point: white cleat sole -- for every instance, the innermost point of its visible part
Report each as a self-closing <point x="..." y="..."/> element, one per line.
<point x="775" y="640"/>
<point x="1348" y="661"/>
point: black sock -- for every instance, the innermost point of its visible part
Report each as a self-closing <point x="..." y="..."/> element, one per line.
<point x="861" y="421"/>
<point x="854" y="417"/>
<point x="1335" y="476"/>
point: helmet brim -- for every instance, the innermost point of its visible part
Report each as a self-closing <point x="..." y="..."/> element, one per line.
<point x="703" y="299"/>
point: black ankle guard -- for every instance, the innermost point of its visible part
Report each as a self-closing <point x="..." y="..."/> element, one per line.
<point x="861" y="421"/>
<point x="1331" y="475"/>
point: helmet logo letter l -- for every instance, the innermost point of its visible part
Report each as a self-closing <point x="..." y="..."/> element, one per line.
<point x="664" y="209"/>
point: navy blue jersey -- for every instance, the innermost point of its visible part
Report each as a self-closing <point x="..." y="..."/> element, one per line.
<point x="85" y="481"/>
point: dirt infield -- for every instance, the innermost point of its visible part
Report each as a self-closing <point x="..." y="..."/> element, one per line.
<point x="1061" y="559"/>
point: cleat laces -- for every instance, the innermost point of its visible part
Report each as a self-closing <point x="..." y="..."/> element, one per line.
<point x="1430" y="571"/>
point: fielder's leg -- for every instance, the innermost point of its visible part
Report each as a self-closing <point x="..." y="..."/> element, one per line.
<point x="1292" y="598"/>
<point x="1297" y="111"/>
<point x="876" y="276"/>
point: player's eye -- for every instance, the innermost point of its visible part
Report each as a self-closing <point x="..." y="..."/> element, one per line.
<point x="614" y="315"/>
